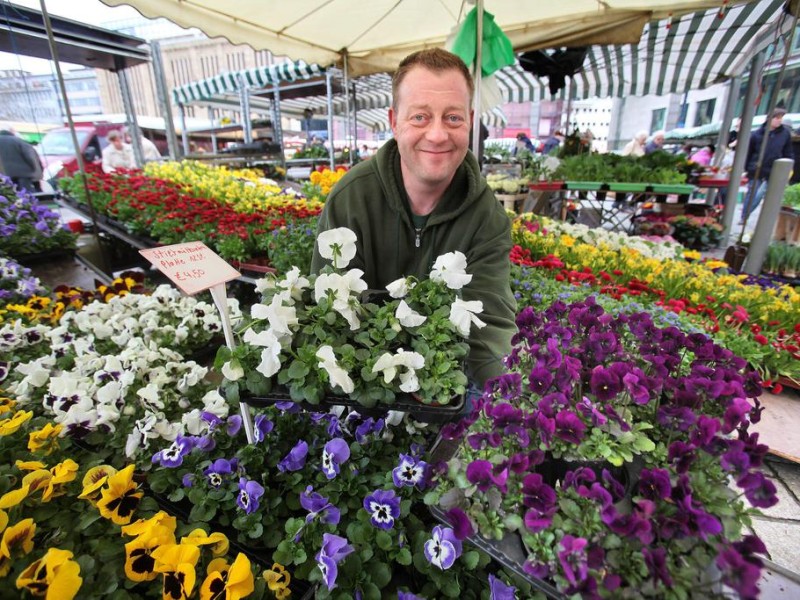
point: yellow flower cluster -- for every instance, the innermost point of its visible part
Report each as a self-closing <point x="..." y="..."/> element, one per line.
<point x="693" y="281"/>
<point x="244" y="189"/>
<point x="326" y="180"/>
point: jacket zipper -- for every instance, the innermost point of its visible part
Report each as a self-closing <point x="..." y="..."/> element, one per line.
<point x="418" y="238"/>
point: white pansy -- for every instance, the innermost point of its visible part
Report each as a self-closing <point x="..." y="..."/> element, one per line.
<point x="337" y="374"/>
<point x="267" y="283"/>
<point x="232" y="370"/>
<point x="408" y="361"/>
<point x="462" y="315"/>
<point x="399" y="288"/>
<point x="193" y="422"/>
<point x="337" y="245"/>
<point x="265" y="339"/>
<point x="407" y="316"/>
<point x="213" y="402"/>
<point x="409" y="381"/>
<point x="151" y="395"/>
<point x="451" y="269"/>
<point x="294" y="283"/>
<point x="281" y="318"/>
<point x="385" y="364"/>
<point x="331" y="282"/>
<point x="270" y="358"/>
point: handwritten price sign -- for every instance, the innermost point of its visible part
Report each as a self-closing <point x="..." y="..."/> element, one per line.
<point x="192" y="266"/>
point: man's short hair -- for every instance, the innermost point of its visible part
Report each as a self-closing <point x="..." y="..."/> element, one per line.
<point x="433" y="59"/>
<point x="779" y="111"/>
<point x="113" y="135"/>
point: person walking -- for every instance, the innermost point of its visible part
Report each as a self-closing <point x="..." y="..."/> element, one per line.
<point x="18" y="160"/>
<point x="636" y="146"/>
<point x="779" y="145"/>
<point x="657" y="143"/>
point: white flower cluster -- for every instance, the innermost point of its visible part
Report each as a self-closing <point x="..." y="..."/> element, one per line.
<point x="120" y="369"/>
<point x="616" y="241"/>
<point x="342" y="289"/>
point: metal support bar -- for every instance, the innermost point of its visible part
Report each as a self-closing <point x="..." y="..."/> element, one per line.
<point x="212" y="117"/>
<point x="244" y="99"/>
<point x="742" y="144"/>
<point x="277" y="128"/>
<point x="476" y="75"/>
<point x="779" y="177"/>
<point x="184" y="133"/>
<point x="163" y="100"/>
<point x="329" y="86"/>
<point x="732" y="96"/>
<point x="130" y="112"/>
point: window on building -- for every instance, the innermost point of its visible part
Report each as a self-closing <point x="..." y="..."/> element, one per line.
<point x="705" y="112"/>
<point x="682" y="115"/>
<point x="658" y="119"/>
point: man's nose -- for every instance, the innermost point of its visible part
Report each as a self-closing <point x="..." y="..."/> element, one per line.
<point x="436" y="131"/>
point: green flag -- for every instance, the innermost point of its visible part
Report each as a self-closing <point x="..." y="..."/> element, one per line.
<point x="496" y="52"/>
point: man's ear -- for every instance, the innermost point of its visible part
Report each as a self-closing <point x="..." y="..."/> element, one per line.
<point x="392" y="120"/>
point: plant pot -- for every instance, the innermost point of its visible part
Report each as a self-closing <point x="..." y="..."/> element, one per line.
<point x="256" y="264"/>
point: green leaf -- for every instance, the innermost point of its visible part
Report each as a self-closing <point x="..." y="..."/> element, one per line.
<point x="380" y="573"/>
<point x="298" y="370"/>
<point x="403" y="557"/>
<point x="470" y="559"/>
<point x="202" y="512"/>
<point x="383" y="540"/>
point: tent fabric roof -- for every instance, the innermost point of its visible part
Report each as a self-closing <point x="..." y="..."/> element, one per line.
<point x="694" y="52"/>
<point x="233" y="81"/>
<point x="376" y="35"/>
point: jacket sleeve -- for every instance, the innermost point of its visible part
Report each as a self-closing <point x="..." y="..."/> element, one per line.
<point x="489" y="263"/>
<point x="788" y="150"/>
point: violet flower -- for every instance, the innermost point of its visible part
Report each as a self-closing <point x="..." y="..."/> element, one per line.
<point x="499" y="590"/>
<point x="383" y="507"/>
<point x="262" y="427"/>
<point x="572" y="558"/>
<point x="334" y="454"/>
<point x="411" y="472"/>
<point x="216" y="472"/>
<point x="334" y="550"/>
<point x="443" y="548"/>
<point x="296" y="459"/>
<point x="172" y="456"/>
<point x="319" y="506"/>
<point x="249" y="493"/>
<point x="460" y="522"/>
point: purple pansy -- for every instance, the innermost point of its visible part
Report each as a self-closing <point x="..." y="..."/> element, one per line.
<point x="249" y="493"/>
<point x="654" y="484"/>
<point x="172" y="456"/>
<point x="573" y="559"/>
<point x="233" y="425"/>
<point x="262" y="427"/>
<point x="443" y="548"/>
<point x="569" y="427"/>
<point x="499" y="590"/>
<point x="485" y="475"/>
<point x="334" y="549"/>
<point x="460" y="522"/>
<point x="408" y="596"/>
<point x="319" y="506"/>
<point x="383" y="507"/>
<point x="216" y="472"/>
<point x="296" y="459"/>
<point x="411" y="472"/>
<point x="334" y="454"/>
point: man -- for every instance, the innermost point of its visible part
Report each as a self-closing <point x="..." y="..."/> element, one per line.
<point x="18" y="160"/>
<point x="117" y="155"/>
<point x="553" y="142"/>
<point x="149" y="149"/>
<point x="657" y="143"/>
<point x="779" y="145"/>
<point x="523" y="143"/>
<point x="422" y="195"/>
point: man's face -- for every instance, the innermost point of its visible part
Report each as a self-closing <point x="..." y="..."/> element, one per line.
<point x="431" y="123"/>
<point x="117" y="142"/>
<point x="659" y="140"/>
<point x="777" y="121"/>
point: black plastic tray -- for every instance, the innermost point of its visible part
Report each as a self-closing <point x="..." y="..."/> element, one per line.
<point x="510" y="554"/>
<point x="424" y="413"/>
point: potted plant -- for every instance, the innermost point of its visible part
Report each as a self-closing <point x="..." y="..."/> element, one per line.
<point x="601" y="391"/>
<point x="696" y="233"/>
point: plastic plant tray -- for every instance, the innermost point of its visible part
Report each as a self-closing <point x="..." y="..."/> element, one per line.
<point x="425" y="413"/>
<point x="666" y="188"/>
<point x="587" y="186"/>
<point x="618" y="186"/>
<point x="546" y="186"/>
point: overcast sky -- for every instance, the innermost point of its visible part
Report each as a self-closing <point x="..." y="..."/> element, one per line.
<point x="91" y="12"/>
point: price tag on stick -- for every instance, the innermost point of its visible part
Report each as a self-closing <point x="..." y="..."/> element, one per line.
<point x="194" y="267"/>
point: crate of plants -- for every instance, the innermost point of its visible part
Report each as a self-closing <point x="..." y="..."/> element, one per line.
<point x="323" y="339"/>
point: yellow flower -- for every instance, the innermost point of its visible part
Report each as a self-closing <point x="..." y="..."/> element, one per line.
<point x="121" y="498"/>
<point x="18" y="537"/>
<point x="217" y="542"/>
<point x="6" y="405"/>
<point x="62" y="473"/>
<point x="139" y="562"/>
<point x="177" y="563"/>
<point x="45" y="440"/>
<point x="12" y="424"/>
<point x="30" y="465"/>
<point x="142" y="526"/>
<point x="3" y="520"/>
<point x="231" y="583"/>
<point x="55" y="576"/>
<point x="278" y="580"/>
<point x="95" y="479"/>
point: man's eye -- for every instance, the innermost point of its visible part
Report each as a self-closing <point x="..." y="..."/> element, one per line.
<point x="455" y="118"/>
<point x="418" y="118"/>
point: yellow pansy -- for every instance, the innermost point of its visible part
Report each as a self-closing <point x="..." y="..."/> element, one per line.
<point x="45" y="440"/>
<point x="142" y="526"/>
<point x="177" y="563"/>
<point x="121" y="497"/>
<point x="278" y="580"/>
<point x="7" y="405"/>
<point x="94" y="480"/>
<point x="216" y="541"/>
<point x="230" y="582"/>
<point x="62" y="473"/>
<point x="30" y="465"/>
<point x="54" y="576"/>
<point x="13" y="423"/>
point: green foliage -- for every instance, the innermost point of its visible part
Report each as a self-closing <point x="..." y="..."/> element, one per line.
<point x="658" y="167"/>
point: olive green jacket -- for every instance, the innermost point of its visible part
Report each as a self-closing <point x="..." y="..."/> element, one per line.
<point x="371" y="200"/>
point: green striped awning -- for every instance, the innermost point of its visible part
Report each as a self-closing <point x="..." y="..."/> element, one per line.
<point x="688" y="53"/>
<point x="255" y="79"/>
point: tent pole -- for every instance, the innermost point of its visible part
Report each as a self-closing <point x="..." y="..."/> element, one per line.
<point x="163" y="99"/>
<point x="184" y="133"/>
<point x="212" y="117"/>
<point x="355" y="125"/>
<point x="130" y="113"/>
<point x="78" y="155"/>
<point x="277" y="129"/>
<point x="732" y="95"/>
<point x="476" y="101"/>
<point x="742" y="143"/>
<point x="244" y="99"/>
<point x="347" y="129"/>
<point x="329" y="85"/>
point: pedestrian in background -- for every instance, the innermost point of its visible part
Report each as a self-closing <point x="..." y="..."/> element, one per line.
<point x="18" y="160"/>
<point x="636" y="146"/>
<point x="657" y="143"/>
<point x="118" y="154"/>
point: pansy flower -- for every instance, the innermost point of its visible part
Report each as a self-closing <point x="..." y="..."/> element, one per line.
<point x="410" y="472"/>
<point x="334" y="550"/>
<point x="337" y="245"/>
<point x="249" y="493"/>
<point x="228" y="581"/>
<point x="443" y="548"/>
<point x="177" y="563"/>
<point x="296" y="459"/>
<point x="216" y="472"/>
<point x="172" y="456"/>
<point x="262" y="427"/>
<point x="121" y="497"/>
<point x="383" y="507"/>
<point x="278" y="580"/>
<point x="499" y="590"/>
<point x="56" y="574"/>
<point x="318" y="506"/>
<point x="335" y="452"/>
<point x="451" y="268"/>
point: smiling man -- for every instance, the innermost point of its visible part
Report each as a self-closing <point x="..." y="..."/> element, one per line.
<point x="423" y="195"/>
